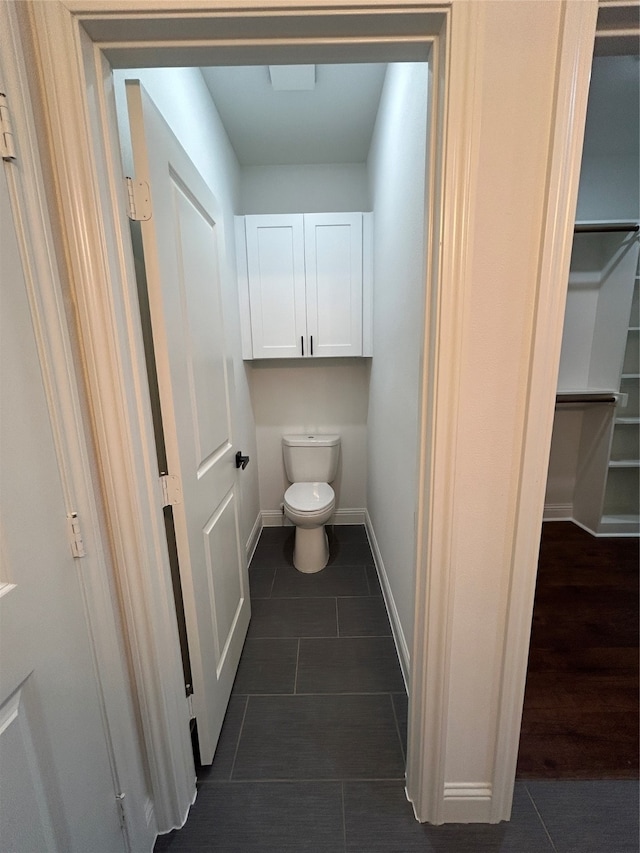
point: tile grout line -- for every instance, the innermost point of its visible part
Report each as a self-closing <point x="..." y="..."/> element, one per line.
<point x="366" y="577"/>
<point x="273" y="582"/>
<point x="544" y="826"/>
<point x="337" y="622"/>
<point x="326" y="693"/>
<point x="395" y="717"/>
<point x="344" y="818"/>
<point x="295" y="680"/>
<point x="235" y="754"/>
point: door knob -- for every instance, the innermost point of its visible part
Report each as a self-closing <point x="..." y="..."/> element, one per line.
<point x="241" y="461"/>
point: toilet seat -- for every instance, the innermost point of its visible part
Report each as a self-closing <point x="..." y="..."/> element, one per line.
<point x="309" y="498"/>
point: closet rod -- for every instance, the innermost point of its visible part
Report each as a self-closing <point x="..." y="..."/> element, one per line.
<point x="567" y="399"/>
<point x="621" y="226"/>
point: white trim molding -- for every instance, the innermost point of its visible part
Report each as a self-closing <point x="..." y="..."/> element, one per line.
<point x="467" y="802"/>
<point x="399" y="639"/>
<point x="573" y="71"/>
<point x="74" y="452"/>
<point x="558" y="512"/>
<point x="115" y="373"/>
<point x="254" y="536"/>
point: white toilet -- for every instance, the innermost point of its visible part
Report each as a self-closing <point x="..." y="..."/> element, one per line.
<point x="311" y="462"/>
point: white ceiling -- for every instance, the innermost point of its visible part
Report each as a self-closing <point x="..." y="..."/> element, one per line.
<point x="332" y="123"/>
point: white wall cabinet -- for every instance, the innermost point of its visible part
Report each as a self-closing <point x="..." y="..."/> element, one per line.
<point x="305" y="284"/>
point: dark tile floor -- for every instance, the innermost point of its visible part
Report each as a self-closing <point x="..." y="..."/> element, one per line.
<point x="311" y="756"/>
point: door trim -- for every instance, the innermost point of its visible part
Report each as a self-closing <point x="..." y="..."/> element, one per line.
<point x="100" y="272"/>
<point x="74" y="452"/>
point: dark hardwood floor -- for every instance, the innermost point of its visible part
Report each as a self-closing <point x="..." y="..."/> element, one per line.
<point x="580" y="718"/>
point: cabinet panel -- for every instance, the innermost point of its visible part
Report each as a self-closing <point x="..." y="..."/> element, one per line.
<point x="275" y="270"/>
<point x="333" y="264"/>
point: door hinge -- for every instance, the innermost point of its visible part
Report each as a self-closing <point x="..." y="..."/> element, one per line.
<point x="7" y="147"/>
<point x="138" y="200"/>
<point x="75" y="535"/>
<point x="121" y="812"/>
<point x="171" y="491"/>
<point x="192" y="713"/>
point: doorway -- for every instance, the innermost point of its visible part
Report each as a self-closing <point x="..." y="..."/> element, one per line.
<point x="445" y="439"/>
<point x="319" y="395"/>
<point x="581" y="716"/>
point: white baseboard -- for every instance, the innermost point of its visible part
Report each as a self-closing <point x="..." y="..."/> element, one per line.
<point x="252" y="541"/>
<point x="396" y="628"/>
<point x="467" y="802"/>
<point x="275" y="518"/>
<point x="558" y="512"/>
<point x="348" y="516"/>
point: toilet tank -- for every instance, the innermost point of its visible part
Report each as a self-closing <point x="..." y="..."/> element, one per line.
<point x="311" y="458"/>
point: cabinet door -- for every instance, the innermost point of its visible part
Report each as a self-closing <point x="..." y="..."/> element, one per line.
<point x="333" y="260"/>
<point x="275" y="269"/>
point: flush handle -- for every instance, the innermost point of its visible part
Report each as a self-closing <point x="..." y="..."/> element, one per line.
<point x="241" y="461"/>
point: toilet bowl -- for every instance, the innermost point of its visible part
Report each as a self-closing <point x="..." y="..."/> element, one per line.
<point x="309" y="502"/>
<point x="309" y="506"/>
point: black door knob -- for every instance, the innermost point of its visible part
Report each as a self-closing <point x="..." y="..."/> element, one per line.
<point x="241" y="461"/>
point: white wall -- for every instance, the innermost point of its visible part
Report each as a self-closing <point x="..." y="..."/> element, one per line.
<point x="184" y="100"/>
<point x="397" y="173"/>
<point x="610" y="174"/>
<point x="329" y="395"/>
<point x="304" y="189"/>
<point x="609" y="187"/>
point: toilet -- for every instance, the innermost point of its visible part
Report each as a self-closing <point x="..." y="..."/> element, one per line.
<point x="311" y="462"/>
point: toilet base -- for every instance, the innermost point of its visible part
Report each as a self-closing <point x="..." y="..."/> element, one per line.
<point x="311" y="549"/>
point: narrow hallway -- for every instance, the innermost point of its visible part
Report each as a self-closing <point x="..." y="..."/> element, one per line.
<point x="312" y="752"/>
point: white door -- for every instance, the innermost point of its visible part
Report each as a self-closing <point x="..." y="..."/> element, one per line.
<point x="333" y="263"/>
<point x="275" y="268"/>
<point x="181" y="242"/>
<point x="56" y="787"/>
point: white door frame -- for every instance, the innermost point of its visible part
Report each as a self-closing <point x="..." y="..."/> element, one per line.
<point x="73" y="71"/>
<point x="74" y="452"/>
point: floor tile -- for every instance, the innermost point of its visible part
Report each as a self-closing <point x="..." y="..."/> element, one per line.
<point x="378" y="819"/>
<point x="267" y="666"/>
<point x="373" y="581"/>
<point x="262" y="817"/>
<point x="350" y="554"/>
<point x="227" y="742"/>
<point x="589" y="817"/>
<point x="363" y="617"/>
<point x="261" y="581"/>
<point x="276" y="535"/>
<point x="332" y="580"/>
<point x="401" y="709"/>
<point x="348" y="665"/>
<point x="293" y="617"/>
<point x="319" y="737"/>
<point x="266" y="556"/>
<point x="348" y="533"/>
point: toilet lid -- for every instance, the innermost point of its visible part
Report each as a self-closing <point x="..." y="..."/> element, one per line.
<point x="309" y="497"/>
